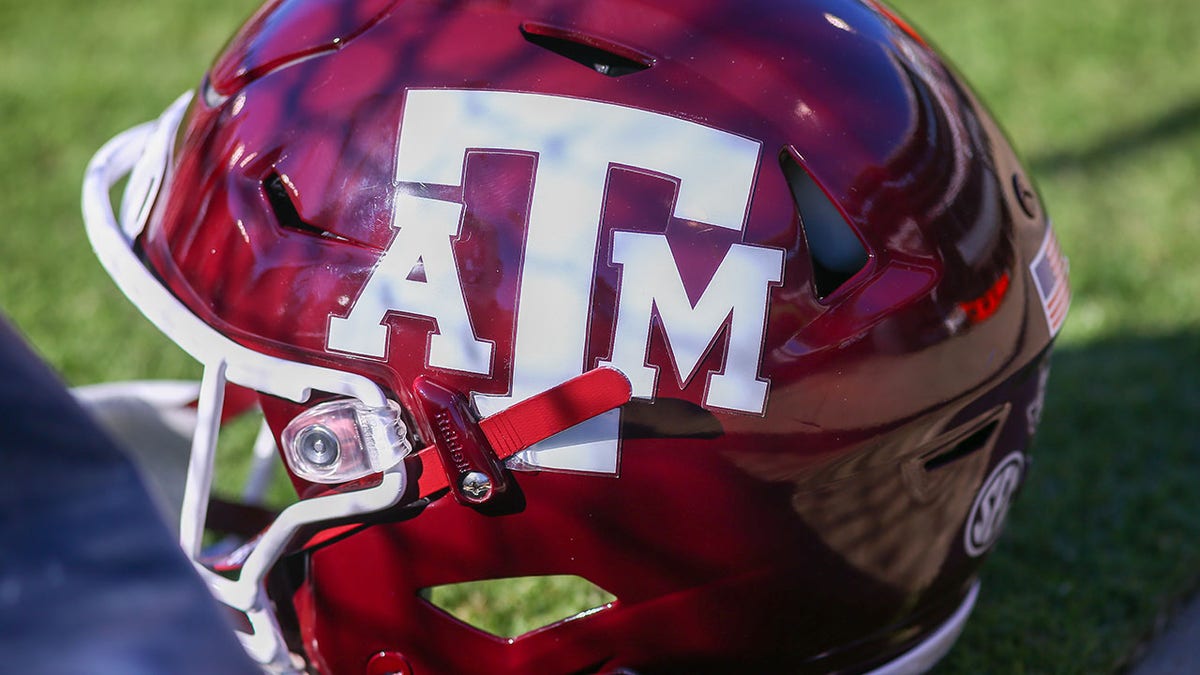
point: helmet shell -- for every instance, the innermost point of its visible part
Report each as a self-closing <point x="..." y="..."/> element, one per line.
<point x="823" y="530"/>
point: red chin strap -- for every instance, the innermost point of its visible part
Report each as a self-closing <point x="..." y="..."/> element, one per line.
<point x="462" y="445"/>
<point x="445" y="462"/>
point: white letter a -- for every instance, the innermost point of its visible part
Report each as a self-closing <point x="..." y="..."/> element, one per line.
<point x="426" y="230"/>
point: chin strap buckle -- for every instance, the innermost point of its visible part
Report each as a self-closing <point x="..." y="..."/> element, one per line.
<point x="475" y="474"/>
<point x="467" y="454"/>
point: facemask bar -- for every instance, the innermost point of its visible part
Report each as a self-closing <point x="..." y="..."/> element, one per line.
<point x="144" y="153"/>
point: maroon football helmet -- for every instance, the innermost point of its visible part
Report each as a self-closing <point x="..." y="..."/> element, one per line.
<point x="738" y="311"/>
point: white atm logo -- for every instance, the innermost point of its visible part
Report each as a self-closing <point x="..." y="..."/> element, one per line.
<point x="577" y="142"/>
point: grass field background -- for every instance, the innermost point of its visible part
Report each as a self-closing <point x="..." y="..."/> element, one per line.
<point x="1101" y="98"/>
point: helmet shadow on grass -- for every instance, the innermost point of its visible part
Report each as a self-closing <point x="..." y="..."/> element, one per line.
<point x="1105" y="542"/>
<point x="1167" y="127"/>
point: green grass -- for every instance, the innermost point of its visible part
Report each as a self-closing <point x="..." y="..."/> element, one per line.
<point x="71" y="76"/>
<point x="512" y="607"/>
<point x="1103" y="102"/>
<point x="1101" y="98"/>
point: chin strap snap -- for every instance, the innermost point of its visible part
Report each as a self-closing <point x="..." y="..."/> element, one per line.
<point x="467" y="454"/>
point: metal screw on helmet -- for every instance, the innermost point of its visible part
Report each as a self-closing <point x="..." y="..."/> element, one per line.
<point x="318" y="445"/>
<point x="477" y="486"/>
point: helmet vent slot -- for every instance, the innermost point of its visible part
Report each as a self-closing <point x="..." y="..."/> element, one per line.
<point x="836" y="250"/>
<point x="514" y="606"/>
<point x="974" y="442"/>
<point x="599" y="55"/>
<point x="279" y="196"/>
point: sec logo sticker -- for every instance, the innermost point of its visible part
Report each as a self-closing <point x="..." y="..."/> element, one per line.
<point x="991" y="504"/>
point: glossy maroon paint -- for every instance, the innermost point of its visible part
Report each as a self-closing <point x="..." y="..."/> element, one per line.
<point x="813" y="537"/>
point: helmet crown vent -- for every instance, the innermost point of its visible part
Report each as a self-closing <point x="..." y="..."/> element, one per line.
<point x="602" y="56"/>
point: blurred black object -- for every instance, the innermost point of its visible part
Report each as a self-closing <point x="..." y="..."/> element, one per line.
<point x="90" y="579"/>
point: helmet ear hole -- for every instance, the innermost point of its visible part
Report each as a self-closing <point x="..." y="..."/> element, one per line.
<point x="513" y="606"/>
<point x="837" y="252"/>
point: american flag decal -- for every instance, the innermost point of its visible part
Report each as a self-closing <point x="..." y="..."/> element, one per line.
<point x="1049" y="269"/>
